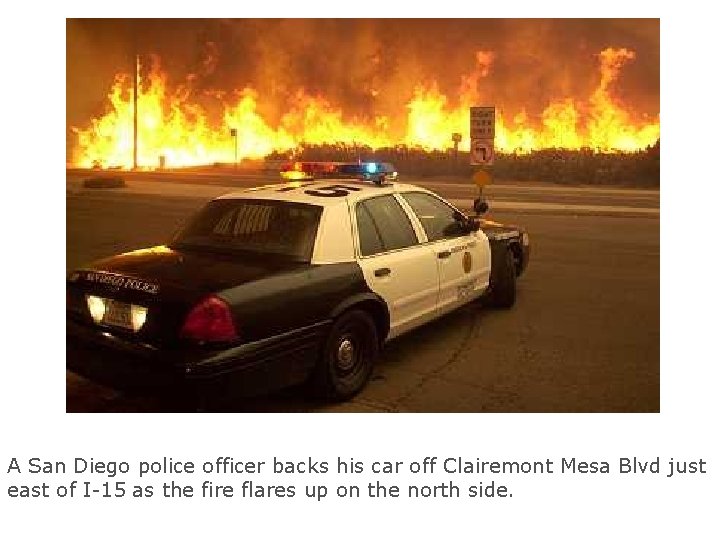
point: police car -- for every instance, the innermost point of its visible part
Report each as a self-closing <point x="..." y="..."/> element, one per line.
<point x="279" y="284"/>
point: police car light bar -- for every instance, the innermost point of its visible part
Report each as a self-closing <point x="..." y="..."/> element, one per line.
<point x="374" y="171"/>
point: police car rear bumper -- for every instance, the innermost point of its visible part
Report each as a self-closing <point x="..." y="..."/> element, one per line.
<point x="244" y="370"/>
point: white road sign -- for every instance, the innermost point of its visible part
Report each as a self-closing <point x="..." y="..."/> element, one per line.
<point x="482" y="122"/>
<point x="482" y="151"/>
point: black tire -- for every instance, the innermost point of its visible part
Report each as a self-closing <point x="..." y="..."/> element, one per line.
<point x="347" y="359"/>
<point x="502" y="290"/>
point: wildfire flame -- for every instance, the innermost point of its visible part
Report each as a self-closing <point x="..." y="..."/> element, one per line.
<point x="183" y="128"/>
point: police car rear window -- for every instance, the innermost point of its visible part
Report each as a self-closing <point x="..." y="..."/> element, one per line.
<point x="273" y="227"/>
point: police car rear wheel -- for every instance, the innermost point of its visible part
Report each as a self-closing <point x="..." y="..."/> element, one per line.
<point x="347" y="360"/>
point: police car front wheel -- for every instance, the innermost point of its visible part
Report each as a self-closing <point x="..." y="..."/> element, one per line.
<point x="347" y="359"/>
<point x="502" y="290"/>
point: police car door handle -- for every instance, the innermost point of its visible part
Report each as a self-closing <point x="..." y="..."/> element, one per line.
<point x="381" y="272"/>
<point x="443" y="255"/>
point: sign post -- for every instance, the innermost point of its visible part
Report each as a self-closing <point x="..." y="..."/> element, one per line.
<point x="135" y="111"/>
<point x="456" y="138"/>
<point x="233" y="134"/>
<point x="482" y="145"/>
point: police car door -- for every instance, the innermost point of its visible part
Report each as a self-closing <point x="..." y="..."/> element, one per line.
<point x="396" y="265"/>
<point x="463" y="260"/>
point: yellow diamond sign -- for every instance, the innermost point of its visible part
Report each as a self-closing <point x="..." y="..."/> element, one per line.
<point x="482" y="178"/>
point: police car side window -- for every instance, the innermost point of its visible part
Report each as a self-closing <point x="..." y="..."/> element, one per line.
<point x="435" y="216"/>
<point x="390" y="224"/>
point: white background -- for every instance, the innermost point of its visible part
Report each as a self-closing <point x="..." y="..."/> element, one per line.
<point x="34" y="422"/>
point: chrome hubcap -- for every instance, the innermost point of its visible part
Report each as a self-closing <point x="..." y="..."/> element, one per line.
<point x="345" y="354"/>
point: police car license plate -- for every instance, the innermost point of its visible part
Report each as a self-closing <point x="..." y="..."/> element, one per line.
<point x="118" y="314"/>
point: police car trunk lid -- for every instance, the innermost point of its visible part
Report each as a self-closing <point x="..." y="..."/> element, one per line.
<point x="167" y="282"/>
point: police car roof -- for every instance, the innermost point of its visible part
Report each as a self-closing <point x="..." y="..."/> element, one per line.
<point x="323" y="192"/>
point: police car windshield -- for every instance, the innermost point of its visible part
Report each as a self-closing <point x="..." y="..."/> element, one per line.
<point x="279" y="228"/>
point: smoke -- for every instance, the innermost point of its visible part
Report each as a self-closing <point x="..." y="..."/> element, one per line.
<point x="368" y="67"/>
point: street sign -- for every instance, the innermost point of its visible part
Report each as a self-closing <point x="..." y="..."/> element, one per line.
<point x="482" y="122"/>
<point x="482" y="135"/>
<point x="482" y="151"/>
<point x="482" y="178"/>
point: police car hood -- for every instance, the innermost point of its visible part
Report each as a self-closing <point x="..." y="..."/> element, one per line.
<point x="164" y="271"/>
<point x="493" y="228"/>
<point x="490" y="226"/>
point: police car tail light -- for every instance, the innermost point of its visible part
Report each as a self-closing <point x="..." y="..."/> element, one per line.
<point x="210" y="320"/>
<point x="96" y="306"/>
<point x="138" y="314"/>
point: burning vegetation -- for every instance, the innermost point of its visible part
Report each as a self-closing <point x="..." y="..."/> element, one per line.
<point x="187" y="124"/>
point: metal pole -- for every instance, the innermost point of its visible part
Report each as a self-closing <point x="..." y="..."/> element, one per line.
<point x="135" y="111"/>
<point x="234" y="135"/>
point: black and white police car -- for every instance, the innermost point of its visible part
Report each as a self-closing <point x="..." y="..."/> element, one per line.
<point x="275" y="285"/>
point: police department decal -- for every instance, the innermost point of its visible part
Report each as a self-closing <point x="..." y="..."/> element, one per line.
<point x="121" y="282"/>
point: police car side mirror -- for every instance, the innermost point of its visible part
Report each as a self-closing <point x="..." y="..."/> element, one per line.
<point x="462" y="225"/>
<point x="480" y="206"/>
<point x="470" y="226"/>
<point x="456" y="228"/>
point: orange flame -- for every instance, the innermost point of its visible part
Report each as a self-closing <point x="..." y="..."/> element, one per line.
<point x="178" y="129"/>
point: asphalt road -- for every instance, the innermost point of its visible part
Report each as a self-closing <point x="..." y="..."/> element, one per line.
<point x="517" y="197"/>
<point x="584" y="335"/>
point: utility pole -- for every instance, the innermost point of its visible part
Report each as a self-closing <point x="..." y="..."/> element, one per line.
<point x="234" y="135"/>
<point x="135" y="110"/>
